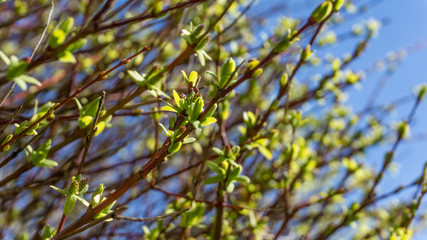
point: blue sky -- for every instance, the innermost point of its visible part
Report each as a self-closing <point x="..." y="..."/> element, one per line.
<point x="406" y="26"/>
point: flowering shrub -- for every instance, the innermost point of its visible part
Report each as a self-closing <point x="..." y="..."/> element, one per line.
<point x="204" y="129"/>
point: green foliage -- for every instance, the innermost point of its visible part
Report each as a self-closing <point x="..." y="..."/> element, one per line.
<point x="78" y="187"/>
<point x="15" y="71"/>
<point x="48" y="233"/>
<point x="88" y="114"/>
<point x="286" y="153"/>
<point x="39" y="157"/>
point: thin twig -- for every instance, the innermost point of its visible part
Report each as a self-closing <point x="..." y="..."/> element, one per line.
<point x="118" y="210"/>
<point x="10" y="120"/>
<point x="8" y="93"/>
<point x="44" y="31"/>
<point x="92" y="132"/>
<point x="134" y="219"/>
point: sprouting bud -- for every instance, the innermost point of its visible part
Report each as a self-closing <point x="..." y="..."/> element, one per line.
<point x="82" y="184"/>
<point x="174" y="147"/>
<point x="322" y="12"/>
<point x="96" y="195"/>
<point x="362" y="45"/>
<point x="227" y="150"/>
<point x="67" y="25"/>
<point x="338" y="4"/>
<point x="284" y="44"/>
<point x="253" y="64"/>
<point x="388" y="157"/>
<point x="171" y="122"/>
<point x="138" y="112"/>
<point x="157" y="8"/>
<point x="306" y="53"/>
<point x="6" y="148"/>
<point x="421" y="91"/>
<point x="403" y="129"/>
<point x="202" y="43"/>
<point x="74" y="187"/>
<point x="8" y="137"/>
<point x="180" y="131"/>
<point x="198" y="30"/>
<point x="227" y="70"/>
<point x="51" y="114"/>
<point x="284" y="79"/>
<point x="257" y="72"/>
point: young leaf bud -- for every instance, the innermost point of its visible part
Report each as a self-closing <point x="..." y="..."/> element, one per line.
<point x="253" y="64"/>
<point x="174" y="147"/>
<point x="202" y="43"/>
<point x="157" y="8"/>
<point x="257" y="72"/>
<point x="226" y="70"/>
<point x="82" y="184"/>
<point x="338" y="4"/>
<point x="322" y="11"/>
<point x="284" y="44"/>
<point x="421" y="91"/>
<point x="8" y="137"/>
<point x="306" y="53"/>
<point x="284" y="79"/>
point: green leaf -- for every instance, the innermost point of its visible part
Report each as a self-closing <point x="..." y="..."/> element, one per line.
<point x="216" y="168"/>
<point x="79" y="106"/>
<point x="322" y="11"/>
<point x="15" y="70"/>
<point x="177" y="99"/>
<point x="211" y="111"/>
<point x="168" y="108"/>
<point x="235" y="171"/>
<point x="157" y="91"/>
<point x="214" y="179"/>
<point x="136" y="77"/>
<point x="100" y="127"/>
<point x="230" y="187"/>
<point x="265" y="152"/>
<point x="188" y="140"/>
<point x="174" y="147"/>
<point x="243" y="178"/>
<point x="30" y="80"/>
<point x="208" y="121"/>
<point x="196" y="109"/>
<point x="67" y="25"/>
<point x="84" y="121"/>
<point x="92" y="107"/>
<point x="70" y="201"/>
<point x="37" y="157"/>
<point x="66" y="57"/>
<point x="83" y="201"/>
<point x="165" y="130"/>
<point x="193" y="77"/>
<point x="217" y="151"/>
<point x="185" y="76"/>
<point x="48" y="233"/>
<point x="21" y="83"/>
<point x="57" y="38"/>
<point x="213" y="75"/>
<point x="227" y="70"/>
<point x="4" y="58"/>
<point x="63" y="191"/>
<point x="47" y="163"/>
<point x="201" y="57"/>
<point x="76" y="45"/>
